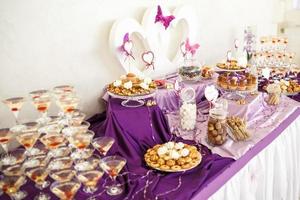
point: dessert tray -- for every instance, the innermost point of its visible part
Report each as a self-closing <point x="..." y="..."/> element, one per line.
<point x="133" y="101"/>
<point x="173" y="157"/>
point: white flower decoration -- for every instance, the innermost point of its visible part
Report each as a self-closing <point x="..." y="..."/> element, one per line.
<point x="184" y="152"/>
<point x="174" y="154"/>
<point x="144" y="85"/>
<point x="128" y="85"/>
<point x="117" y="83"/>
<point x="162" y="150"/>
<point x="170" y="145"/>
<point x="179" y="145"/>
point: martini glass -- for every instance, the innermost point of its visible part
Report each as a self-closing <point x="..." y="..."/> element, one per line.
<point x="36" y="161"/>
<point x="39" y="176"/>
<point x="112" y="165"/>
<point x="53" y="140"/>
<point x="63" y="91"/>
<point x="15" y="157"/>
<point x="77" y="118"/>
<point x="68" y="105"/>
<point x="13" y="170"/>
<point x="62" y="151"/>
<point x="27" y="138"/>
<point x="65" y="190"/>
<point x="63" y="175"/>
<point x="38" y="149"/>
<point x="81" y="141"/>
<point x="90" y="179"/>
<point x="11" y="186"/>
<point x="15" y="104"/>
<point x="5" y="138"/>
<point x="60" y="163"/>
<point x="42" y="105"/>
<point x="103" y="144"/>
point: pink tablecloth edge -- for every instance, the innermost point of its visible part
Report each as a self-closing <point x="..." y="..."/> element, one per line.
<point x="230" y="171"/>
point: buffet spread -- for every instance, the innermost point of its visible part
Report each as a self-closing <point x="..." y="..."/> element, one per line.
<point x="161" y="138"/>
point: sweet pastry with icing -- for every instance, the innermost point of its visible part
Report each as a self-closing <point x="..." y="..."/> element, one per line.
<point x="207" y="72"/>
<point x="131" y="85"/>
<point x="230" y="65"/>
<point x="237" y="81"/>
<point x="173" y="157"/>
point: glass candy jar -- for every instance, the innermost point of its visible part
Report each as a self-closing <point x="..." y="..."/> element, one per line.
<point x="274" y="93"/>
<point x="188" y="109"/>
<point x="217" y="126"/>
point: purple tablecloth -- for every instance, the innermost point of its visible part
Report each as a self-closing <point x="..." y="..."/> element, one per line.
<point x="135" y="130"/>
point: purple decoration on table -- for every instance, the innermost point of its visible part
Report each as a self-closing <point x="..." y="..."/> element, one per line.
<point x="164" y="20"/>
<point x="123" y="48"/>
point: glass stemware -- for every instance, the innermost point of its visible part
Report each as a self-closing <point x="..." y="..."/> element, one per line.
<point x="90" y="179"/>
<point x="15" y="157"/>
<point x="112" y="165"/>
<point x="15" y="104"/>
<point x="103" y="144"/>
<point x="65" y="190"/>
<point x="53" y="140"/>
<point x="5" y="138"/>
<point x="11" y="186"/>
<point x="63" y="175"/>
<point x="42" y="105"/>
<point x="27" y="138"/>
<point x="39" y="176"/>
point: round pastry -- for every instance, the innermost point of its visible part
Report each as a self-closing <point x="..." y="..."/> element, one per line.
<point x="164" y="167"/>
<point x="176" y="167"/>
<point x="171" y="163"/>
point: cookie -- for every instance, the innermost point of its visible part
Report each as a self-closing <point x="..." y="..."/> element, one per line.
<point x="176" y="167"/>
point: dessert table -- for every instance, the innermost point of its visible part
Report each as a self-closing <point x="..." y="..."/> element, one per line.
<point x="263" y="167"/>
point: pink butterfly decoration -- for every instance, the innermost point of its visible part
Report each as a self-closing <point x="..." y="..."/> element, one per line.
<point x="165" y="20"/>
<point x="191" y="48"/>
<point x="126" y="46"/>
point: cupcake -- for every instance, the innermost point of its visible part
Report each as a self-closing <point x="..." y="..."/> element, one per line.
<point x="242" y="84"/>
<point x="233" y="83"/>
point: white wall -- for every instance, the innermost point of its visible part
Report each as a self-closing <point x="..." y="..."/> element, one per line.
<point x="44" y="43"/>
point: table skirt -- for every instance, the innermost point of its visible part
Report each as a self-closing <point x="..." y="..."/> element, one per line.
<point x="273" y="174"/>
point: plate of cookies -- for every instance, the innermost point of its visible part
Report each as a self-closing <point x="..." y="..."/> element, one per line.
<point x="173" y="157"/>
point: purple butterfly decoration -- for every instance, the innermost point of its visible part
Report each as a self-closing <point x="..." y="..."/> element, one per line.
<point x="165" y="20"/>
<point x="126" y="46"/>
<point x="191" y="48"/>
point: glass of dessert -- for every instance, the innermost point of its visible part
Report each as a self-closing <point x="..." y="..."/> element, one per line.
<point x="89" y="173"/>
<point x="11" y="186"/>
<point x="103" y="144"/>
<point x="65" y="190"/>
<point x="217" y="125"/>
<point x="28" y="137"/>
<point x="5" y="138"/>
<point x="112" y="165"/>
<point x="15" y="104"/>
